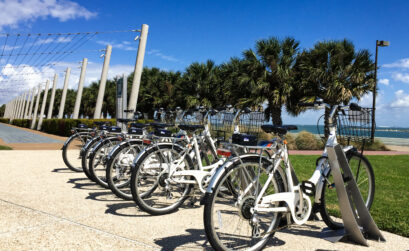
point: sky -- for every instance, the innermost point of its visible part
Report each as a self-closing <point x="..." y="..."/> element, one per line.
<point x="182" y="32"/>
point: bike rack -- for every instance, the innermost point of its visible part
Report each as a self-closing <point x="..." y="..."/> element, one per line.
<point x="357" y="220"/>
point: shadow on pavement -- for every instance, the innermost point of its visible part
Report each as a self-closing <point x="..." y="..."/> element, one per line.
<point x="62" y="170"/>
<point x="86" y="185"/>
<point x="127" y="209"/>
<point x="103" y="196"/>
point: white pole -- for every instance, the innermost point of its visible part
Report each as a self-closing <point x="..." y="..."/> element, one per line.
<point x="51" y="106"/>
<point x="101" y="91"/>
<point x="40" y="121"/>
<point x="80" y="87"/>
<point x="14" y="108"/>
<point x="64" y="93"/>
<point x="23" y="105"/>
<point x="30" y="109"/>
<point x="30" y="93"/>
<point x="33" y="122"/>
<point x="133" y="100"/>
<point x="16" y="116"/>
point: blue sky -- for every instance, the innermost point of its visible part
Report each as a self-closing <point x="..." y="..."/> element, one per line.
<point x="181" y="32"/>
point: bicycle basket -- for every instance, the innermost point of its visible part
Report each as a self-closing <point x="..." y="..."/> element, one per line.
<point x="354" y="126"/>
<point x="250" y="123"/>
<point x="221" y="124"/>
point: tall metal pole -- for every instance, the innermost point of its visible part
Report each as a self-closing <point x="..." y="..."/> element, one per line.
<point x="33" y="122"/>
<point x="374" y="95"/>
<point x="40" y="121"/>
<point x="30" y="109"/>
<point x="124" y="94"/>
<point x="133" y="100"/>
<point x="30" y="93"/>
<point x="101" y="91"/>
<point x="51" y="106"/>
<point x="64" y="93"/>
<point x="80" y="87"/>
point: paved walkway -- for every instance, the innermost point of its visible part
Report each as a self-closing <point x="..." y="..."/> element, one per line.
<point x="26" y="139"/>
<point x="43" y="205"/>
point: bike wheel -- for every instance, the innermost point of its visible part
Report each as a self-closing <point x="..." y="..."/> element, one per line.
<point x="152" y="189"/>
<point x="97" y="160"/>
<point x="228" y="219"/>
<point x="71" y="151"/>
<point x="118" y="171"/>
<point x="365" y="179"/>
<point x="85" y="152"/>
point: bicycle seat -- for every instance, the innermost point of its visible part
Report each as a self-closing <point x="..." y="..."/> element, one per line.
<point x="191" y="127"/>
<point x="82" y="126"/>
<point x="160" y="125"/>
<point x="135" y="131"/>
<point x="138" y="125"/>
<point x="103" y="127"/>
<point x="115" y="129"/>
<point x="278" y="129"/>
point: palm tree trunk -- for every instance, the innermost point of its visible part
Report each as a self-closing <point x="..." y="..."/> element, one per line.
<point x="276" y="115"/>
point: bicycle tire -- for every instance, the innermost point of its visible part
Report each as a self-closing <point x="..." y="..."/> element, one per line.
<point x="85" y="155"/>
<point x="71" y="140"/>
<point x="139" y="196"/>
<point x="117" y="190"/>
<point x="210" y="228"/>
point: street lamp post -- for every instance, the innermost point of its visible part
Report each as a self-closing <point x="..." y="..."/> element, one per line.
<point x="381" y="43"/>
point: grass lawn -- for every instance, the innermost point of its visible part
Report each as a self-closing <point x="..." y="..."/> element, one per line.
<point x="5" y="148"/>
<point x="390" y="208"/>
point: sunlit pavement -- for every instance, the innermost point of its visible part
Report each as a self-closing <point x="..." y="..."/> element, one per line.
<point x="43" y="205"/>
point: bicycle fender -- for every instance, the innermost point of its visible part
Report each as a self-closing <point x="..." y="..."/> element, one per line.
<point x="222" y="169"/>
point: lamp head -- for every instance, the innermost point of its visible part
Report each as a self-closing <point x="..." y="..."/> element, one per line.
<point x="382" y="43"/>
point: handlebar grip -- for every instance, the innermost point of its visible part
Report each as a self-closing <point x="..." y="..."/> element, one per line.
<point x="131" y="110"/>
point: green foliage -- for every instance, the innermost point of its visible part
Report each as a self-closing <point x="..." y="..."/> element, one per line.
<point x="308" y="141"/>
<point x="63" y="127"/>
<point x="5" y="148"/>
<point x="26" y="123"/>
<point x="4" y="120"/>
<point x="2" y="110"/>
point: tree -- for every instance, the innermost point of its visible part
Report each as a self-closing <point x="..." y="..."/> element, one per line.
<point x="270" y="71"/>
<point x="336" y="72"/>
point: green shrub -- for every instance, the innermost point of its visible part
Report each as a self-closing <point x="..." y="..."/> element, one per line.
<point x="377" y="145"/>
<point x="291" y="141"/>
<point x="63" y="127"/>
<point x="308" y="141"/>
<point x="5" y="148"/>
<point x="4" y="120"/>
<point x="26" y="123"/>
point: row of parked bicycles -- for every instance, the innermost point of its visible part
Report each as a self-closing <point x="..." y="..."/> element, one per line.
<point x="248" y="186"/>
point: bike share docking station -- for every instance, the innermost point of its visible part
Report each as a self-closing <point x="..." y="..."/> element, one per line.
<point x="358" y="222"/>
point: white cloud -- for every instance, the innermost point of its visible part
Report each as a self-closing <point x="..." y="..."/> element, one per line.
<point x="125" y="45"/>
<point x="163" y="56"/>
<point x="402" y="99"/>
<point x="17" y="12"/>
<point x="403" y="63"/>
<point x="384" y="81"/>
<point x="401" y="77"/>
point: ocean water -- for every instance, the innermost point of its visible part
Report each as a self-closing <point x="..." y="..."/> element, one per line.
<point x="388" y="132"/>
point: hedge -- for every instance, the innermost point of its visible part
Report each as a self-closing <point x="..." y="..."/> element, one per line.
<point x="63" y="127"/>
<point x="26" y="123"/>
<point x="4" y="120"/>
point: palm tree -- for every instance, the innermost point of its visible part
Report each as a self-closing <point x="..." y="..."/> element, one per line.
<point x="200" y="83"/>
<point x="335" y="72"/>
<point x="270" y="71"/>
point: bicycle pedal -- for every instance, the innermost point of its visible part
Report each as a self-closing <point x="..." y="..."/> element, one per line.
<point x="308" y="187"/>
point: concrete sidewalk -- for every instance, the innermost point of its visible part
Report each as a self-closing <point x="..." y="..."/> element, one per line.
<point x="43" y="205"/>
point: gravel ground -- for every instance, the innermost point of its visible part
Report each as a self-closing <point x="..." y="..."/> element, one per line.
<point x="45" y="206"/>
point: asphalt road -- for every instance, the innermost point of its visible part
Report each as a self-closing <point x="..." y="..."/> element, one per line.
<point x="43" y="205"/>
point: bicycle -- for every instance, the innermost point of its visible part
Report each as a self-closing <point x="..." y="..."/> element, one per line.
<point x="264" y="189"/>
<point x="71" y="150"/>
